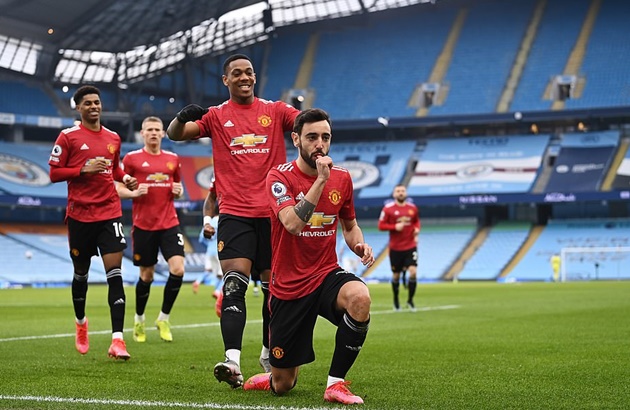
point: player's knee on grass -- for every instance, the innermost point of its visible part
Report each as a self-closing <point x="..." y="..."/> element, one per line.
<point x="281" y="383"/>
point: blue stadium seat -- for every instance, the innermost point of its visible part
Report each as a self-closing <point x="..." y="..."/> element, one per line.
<point x="560" y="234"/>
<point x="503" y="241"/>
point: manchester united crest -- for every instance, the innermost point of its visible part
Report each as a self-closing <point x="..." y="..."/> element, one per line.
<point x="277" y="352"/>
<point x="334" y="197"/>
<point x="264" y="120"/>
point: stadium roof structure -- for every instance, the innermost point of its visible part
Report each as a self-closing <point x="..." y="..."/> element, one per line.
<point x="107" y="26"/>
<point x="125" y="41"/>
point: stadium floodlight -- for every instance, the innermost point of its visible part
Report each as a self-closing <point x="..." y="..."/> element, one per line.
<point x="594" y="263"/>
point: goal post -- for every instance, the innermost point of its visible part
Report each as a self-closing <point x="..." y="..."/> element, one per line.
<point x="594" y="263"/>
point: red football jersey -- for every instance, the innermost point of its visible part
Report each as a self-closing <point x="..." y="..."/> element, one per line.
<point x="154" y="211"/>
<point x="247" y="141"/>
<point x="91" y="198"/>
<point x="301" y="262"/>
<point x="393" y="213"/>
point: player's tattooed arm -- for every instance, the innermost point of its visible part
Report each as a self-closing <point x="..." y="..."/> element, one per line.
<point x="304" y="210"/>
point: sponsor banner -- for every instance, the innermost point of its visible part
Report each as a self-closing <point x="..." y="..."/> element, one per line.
<point x="580" y="169"/>
<point x="196" y="175"/>
<point x="36" y="120"/>
<point x="622" y="180"/>
<point x="508" y="198"/>
<point x="7" y="118"/>
<point x="24" y="171"/>
<point x="375" y="167"/>
<point x="591" y="139"/>
<point x="478" y="165"/>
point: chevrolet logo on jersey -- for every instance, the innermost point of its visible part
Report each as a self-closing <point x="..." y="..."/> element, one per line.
<point x="319" y="220"/>
<point x="92" y="160"/>
<point x="249" y="140"/>
<point x="158" y="177"/>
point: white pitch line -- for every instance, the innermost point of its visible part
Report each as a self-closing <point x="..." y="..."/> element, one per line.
<point x="144" y="403"/>
<point x="398" y="312"/>
<point x="196" y="325"/>
<point x="105" y="332"/>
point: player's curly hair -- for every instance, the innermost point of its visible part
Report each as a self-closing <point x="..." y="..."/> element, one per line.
<point x="83" y="91"/>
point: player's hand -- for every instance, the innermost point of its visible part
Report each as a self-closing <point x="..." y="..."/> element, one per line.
<point x="400" y="226"/>
<point x="143" y="189"/>
<point x="191" y="112"/>
<point x="95" y="166"/>
<point x="365" y="252"/>
<point x="178" y="189"/>
<point x="131" y="183"/>
<point x="324" y="164"/>
<point x="208" y="231"/>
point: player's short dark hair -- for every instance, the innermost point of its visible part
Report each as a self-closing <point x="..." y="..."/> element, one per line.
<point x="232" y="58"/>
<point x="83" y="91"/>
<point x="308" y="116"/>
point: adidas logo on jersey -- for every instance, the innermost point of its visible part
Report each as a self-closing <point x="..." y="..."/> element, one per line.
<point x="299" y="196"/>
<point x="228" y="124"/>
<point x="145" y="164"/>
<point x="84" y="147"/>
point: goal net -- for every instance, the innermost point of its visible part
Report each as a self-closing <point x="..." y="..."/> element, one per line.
<point x="594" y="263"/>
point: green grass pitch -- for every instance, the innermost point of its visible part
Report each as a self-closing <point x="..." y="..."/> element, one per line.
<point x="469" y="346"/>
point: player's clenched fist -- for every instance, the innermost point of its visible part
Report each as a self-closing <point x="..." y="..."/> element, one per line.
<point x="178" y="189"/>
<point x="191" y="112"/>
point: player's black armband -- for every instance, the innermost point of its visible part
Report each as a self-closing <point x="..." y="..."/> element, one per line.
<point x="304" y="210"/>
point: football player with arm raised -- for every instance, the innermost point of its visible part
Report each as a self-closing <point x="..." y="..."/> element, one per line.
<point x="247" y="141"/>
<point x="310" y="198"/>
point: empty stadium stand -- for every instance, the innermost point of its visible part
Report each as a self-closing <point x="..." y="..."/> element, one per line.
<point x="501" y="244"/>
<point x="483" y="56"/>
<point x="440" y="243"/>
<point x="549" y="53"/>
<point x="559" y="234"/>
<point x="377" y="77"/>
<point x="478" y="165"/>
<point x="606" y="66"/>
<point x="21" y="98"/>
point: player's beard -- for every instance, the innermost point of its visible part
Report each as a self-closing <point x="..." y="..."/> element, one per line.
<point x="310" y="159"/>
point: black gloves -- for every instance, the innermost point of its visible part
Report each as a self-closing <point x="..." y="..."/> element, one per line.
<point x="191" y="112"/>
